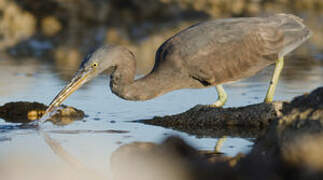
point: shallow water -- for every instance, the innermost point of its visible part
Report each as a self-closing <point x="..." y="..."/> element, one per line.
<point x="91" y="140"/>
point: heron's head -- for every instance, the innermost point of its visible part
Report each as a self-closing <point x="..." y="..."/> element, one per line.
<point x="103" y="59"/>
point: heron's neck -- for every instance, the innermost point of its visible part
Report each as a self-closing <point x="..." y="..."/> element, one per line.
<point x="123" y="84"/>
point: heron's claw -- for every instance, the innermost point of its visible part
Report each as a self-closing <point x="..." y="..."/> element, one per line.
<point x="219" y="103"/>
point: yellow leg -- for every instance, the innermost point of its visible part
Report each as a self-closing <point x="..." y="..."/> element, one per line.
<point x="222" y="97"/>
<point x="219" y="144"/>
<point x="274" y="80"/>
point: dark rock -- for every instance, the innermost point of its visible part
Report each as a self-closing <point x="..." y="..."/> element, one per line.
<point x="248" y="121"/>
<point x="25" y="112"/>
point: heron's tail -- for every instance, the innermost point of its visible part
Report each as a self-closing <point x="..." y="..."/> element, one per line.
<point x="294" y="30"/>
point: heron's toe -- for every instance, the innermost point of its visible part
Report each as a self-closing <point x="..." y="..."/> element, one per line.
<point x="217" y="104"/>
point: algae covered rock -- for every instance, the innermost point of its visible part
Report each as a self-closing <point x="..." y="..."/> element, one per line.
<point x="25" y="112"/>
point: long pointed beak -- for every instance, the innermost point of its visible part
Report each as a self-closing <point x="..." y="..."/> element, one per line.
<point x="78" y="80"/>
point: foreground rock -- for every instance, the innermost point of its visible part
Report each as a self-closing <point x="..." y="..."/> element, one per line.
<point x="290" y="149"/>
<point x="297" y="136"/>
<point x="247" y="121"/>
<point x="24" y="112"/>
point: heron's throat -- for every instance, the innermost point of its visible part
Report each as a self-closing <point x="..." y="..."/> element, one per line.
<point x="122" y="76"/>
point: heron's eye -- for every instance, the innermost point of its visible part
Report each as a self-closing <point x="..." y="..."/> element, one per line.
<point x="94" y="64"/>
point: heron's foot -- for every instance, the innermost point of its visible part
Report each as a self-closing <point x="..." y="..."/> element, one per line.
<point x="219" y="103"/>
<point x="268" y="100"/>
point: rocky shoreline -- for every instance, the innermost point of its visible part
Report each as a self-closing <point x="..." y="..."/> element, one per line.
<point x="290" y="148"/>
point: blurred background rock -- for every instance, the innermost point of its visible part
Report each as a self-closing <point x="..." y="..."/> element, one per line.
<point x="62" y="32"/>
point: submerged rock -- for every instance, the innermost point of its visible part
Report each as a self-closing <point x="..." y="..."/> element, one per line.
<point x="25" y="112"/>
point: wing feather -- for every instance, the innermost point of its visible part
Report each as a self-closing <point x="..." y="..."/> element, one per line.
<point x="230" y="49"/>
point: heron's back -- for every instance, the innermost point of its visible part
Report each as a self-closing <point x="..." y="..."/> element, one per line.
<point x="224" y="50"/>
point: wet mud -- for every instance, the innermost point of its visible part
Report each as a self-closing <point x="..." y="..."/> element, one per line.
<point x="25" y="112"/>
<point x="290" y="148"/>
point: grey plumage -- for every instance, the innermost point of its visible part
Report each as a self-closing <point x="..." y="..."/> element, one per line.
<point x="225" y="50"/>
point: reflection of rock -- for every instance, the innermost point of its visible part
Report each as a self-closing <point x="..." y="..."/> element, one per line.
<point x="291" y="149"/>
<point x="24" y="112"/>
<point x="171" y="160"/>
